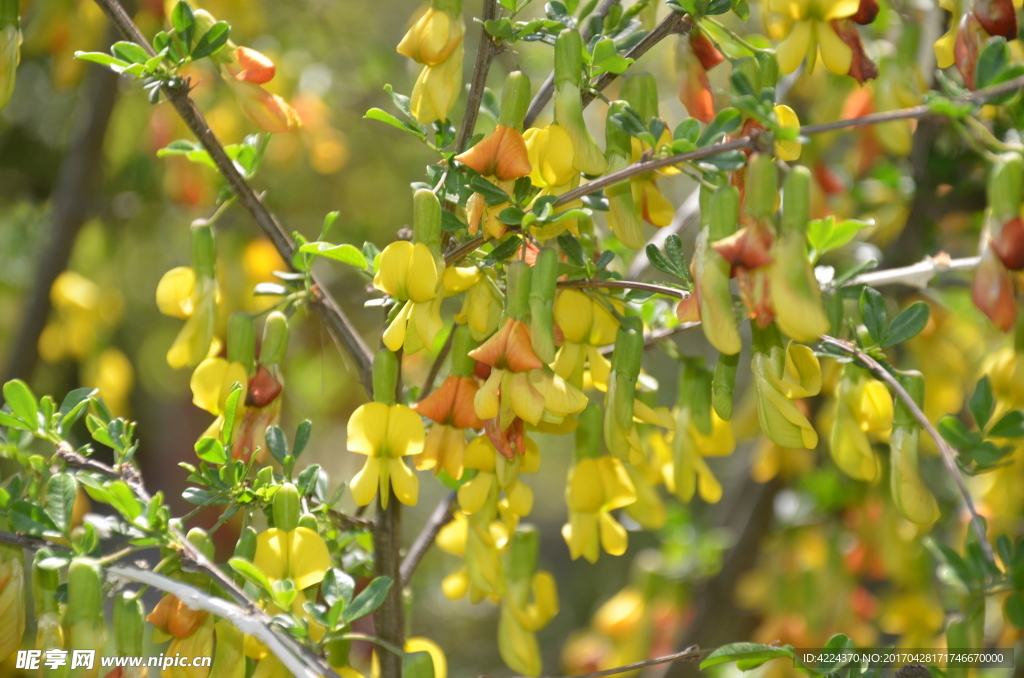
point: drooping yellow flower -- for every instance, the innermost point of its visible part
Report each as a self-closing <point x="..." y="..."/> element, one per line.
<point x="183" y="294"/>
<point x="781" y="375"/>
<point x="433" y="38"/>
<point x="83" y="312"/>
<point x="385" y="434"/>
<point x="689" y="472"/>
<point x="410" y="273"/>
<point x="945" y="45"/>
<point x="587" y="326"/>
<point x="481" y="308"/>
<point x="211" y="383"/>
<point x="811" y="34"/>
<point x="299" y="555"/>
<point x="529" y="603"/>
<point x="495" y="472"/>
<point x="863" y="406"/>
<point x="789" y="149"/>
<point x="111" y="372"/>
<point x="550" y="153"/>
<point x="597" y="487"/>
<point x="437" y="88"/>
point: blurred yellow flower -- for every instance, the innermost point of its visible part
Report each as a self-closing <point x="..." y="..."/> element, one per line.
<point x="811" y="34"/>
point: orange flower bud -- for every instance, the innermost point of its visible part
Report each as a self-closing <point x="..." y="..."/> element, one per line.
<point x="268" y="111"/>
<point x="993" y="292"/>
<point x="501" y="154"/>
<point x="251" y="66"/>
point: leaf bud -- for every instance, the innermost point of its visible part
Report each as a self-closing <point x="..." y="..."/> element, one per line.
<point x="568" y="58"/>
<point x="245" y="547"/>
<point x="426" y="219"/>
<point x="286" y="507"/>
<point x="517" y="290"/>
<point x="796" y="194"/>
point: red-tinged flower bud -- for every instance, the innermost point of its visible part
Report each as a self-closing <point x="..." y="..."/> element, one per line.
<point x="501" y="154"/>
<point x="861" y="67"/>
<point x="997" y="17"/>
<point x="694" y="86"/>
<point x="688" y="310"/>
<point x="1009" y="244"/>
<point x="993" y="292"/>
<point x="263" y="389"/>
<point x="705" y="50"/>
<point x="173" y="618"/>
<point x="267" y="111"/>
<point x="248" y="65"/>
<point x="969" y="40"/>
<point x="866" y="12"/>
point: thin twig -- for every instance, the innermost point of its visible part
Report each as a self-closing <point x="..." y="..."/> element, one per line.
<point x="626" y="284"/>
<point x="689" y="654"/>
<point x="916" y="275"/>
<point x="248" y="624"/>
<point x="654" y="337"/>
<point x="428" y="383"/>
<point x="485" y="53"/>
<point x="24" y="541"/>
<point x="945" y="450"/>
<point x="441" y="515"/>
<point x="751" y="141"/>
<point x="338" y="323"/>
<point x="543" y="95"/>
<point x="463" y="249"/>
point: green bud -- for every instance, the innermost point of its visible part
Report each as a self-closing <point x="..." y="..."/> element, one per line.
<point x="724" y="384"/>
<point x="588" y="431"/>
<point x="426" y="219"/>
<point x="525" y="547"/>
<point x="762" y="186"/>
<point x="1005" y="183"/>
<point x="44" y="584"/>
<point x="641" y="91"/>
<point x="695" y="393"/>
<point x="201" y="541"/>
<point x="204" y="251"/>
<point x="462" y="344"/>
<point x="796" y="199"/>
<point x="912" y="382"/>
<point x="769" y="69"/>
<point x="568" y="58"/>
<point x="204" y="21"/>
<point x="515" y="100"/>
<point x="626" y="361"/>
<point x="286" y="507"/>
<point x="749" y="67"/>
<point x="245" y="547"/>
<point x="129" y="624"/>
<point x="725" y="213"/>
<point x="308" y="521"/>
<point x="385" y="376"/>
<point x="242" y="341"/>
<point x="542" y="300"/>
<point x="275" y="339"/>
<point x="517" y="290"/>
<point x="706" y="196"/>
<point x="85" y="591"/>
<point x="264" y="477"/>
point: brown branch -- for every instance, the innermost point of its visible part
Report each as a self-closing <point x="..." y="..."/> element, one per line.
<point x="485" y="53"/>
<point x="625" y="284"/>
<point x="338" y="323"/>
<point x="389" y="619"/>
<point x="543" y="95"/>
<point x="438" y="519"/>
<point x="26" y="542"/>
<point x="945" y="450"/>
<point x="71" y="204"/>
<point x="747" y="142"/>
<point x="463" y="249"/>
<point x="672" y="24"/>
<point x="689" y="654"/>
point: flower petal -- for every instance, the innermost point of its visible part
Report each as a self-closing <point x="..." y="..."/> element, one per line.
<point x="364" y="484"/>
<point x="272" y="551"/>
<point x="174" y="292"/>
<point x="368" y="429"/>
<point x="793" y="49"/>
<point x="404" y="432"/>
<point x="309" y="557"/>
<point x="404" y="482"/>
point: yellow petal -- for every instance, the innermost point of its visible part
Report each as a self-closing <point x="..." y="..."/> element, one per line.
<point x="944" y="55"/>
<point x="174" y="292"/>
<point x="422" y="278"/>
<point x="585" y="492"/>
<point x="404" y="431"/>
<point x="272" y="550"/>
<point x="309" y="558"/>
<point x="560" y="397"/>
<point x="457" y="280"/>
<point x="614" y="538"/>
<point x="788" y="150"/>
<point x="393" y="269"/>
<point x="836" y="54"/>
<point x="473" y="494"/>
<point x="574" y="314"/>
<point x="419" y="644"/>
<point x="527" y="402"/>
<point x="368" y="429"/>
<point x="486" y="401"/>
<point x="793" y="49"/>
<point x="404" y="482"/>
<point x="364" y="484"/>
<point x="840" y="9"/>
<point x="618" y="488"/>
<point x="520" y="499"/>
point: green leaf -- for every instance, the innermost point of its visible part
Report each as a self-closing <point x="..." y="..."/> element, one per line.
<point x="284" y="593"/>
<point x="572" y="248"/>
<point x="368" y="600"/>
<point x="302" y="433"/>
<point x="982" y="402"/>
<point x="826" y="235"/>
<point x="994" y="57"/>
<point x="1015" y="609"/>
<point x="1010" y="425"/>
<point x="908" y="324"/>
<point x="674" y="251"/>
<point x="607" y="58"/>
<point x="30" y="519"/>
<point x="184" y="22"/>
<point x="872" y="313"/>
<point x="956" y="434"/>
<point x="500" y="28"/>
<point x="231" y="405"/>
<point x="277" y="443"/>
<point x="345" y="253"/>
<point x="747" y="653"/>
<point x="337" y="585"/>
<point x="506" y="249"/>
<point x="839" y="644"/>
<point x="22" y="401"/>
<point x="511" y="216"/>
<point x="728" y="120"/>
<point x="387" y="118"/>
<point x="73" y="406"/>
<point x="212" y="41"/>
<point x="211" y="450"/>
<point x="60" y="499"/>
<point x="124" y="500"/>
<point x="661" y="262"/>
<point x="492" y="194"/>
<point x="250" y="573"/>
<point x="129" y="52"/>
<point x="103" y="59"/>
<point x="687" y="130"/>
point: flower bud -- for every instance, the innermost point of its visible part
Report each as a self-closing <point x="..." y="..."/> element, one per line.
<point x="286" y="507"/>
<point x="517" y="290"/>
<point x="426" y="219"/>
<point x="711" y="273"/>
<point x="587" y="157"/>
<point x="723" y="385"/>
<point x="267" y="111"/>
<point x="242" y="341"/>
<point x="248" y="65"/>
<point x="695" y="393"/>
<point x="84" y="614"/>
<point x="245" y="547"/>
<point x="568" y="58"/>
<point x="204" y="251"/>
<point x="129" y="624"/>
<point x="542" y="300"/>
<point x="1005" y="185"/>
<point x="275" y="339"/>
<point x="433" y="37"/>
<point x="623" y="217"/>
<point x="909" y="492"/>
<point x="762" y="186"/>
<point x="640" y="90"/>
<point x="515" y="100"/>
<point x="588" y="432"/>
<point x="626" y="359"/>
<point x="385" y="376"/>
<point x="201" y="540"/>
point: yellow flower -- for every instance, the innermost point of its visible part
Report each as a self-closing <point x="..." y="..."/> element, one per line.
<point x="111" y="372"/>
<point x="299" y="555"/>
<point x="587" y="326"/>
<point x="433" y="37"/>
<point x="788" y="150"/>
<point x="437" y="88"/>
<point x="944" y="46"/>
<point x="529" y="603"/>
<point x="550" y="152"/>
<point x="481" y="308"/>
<point x="495" y="471"/>
<point x="197" y="644"/>
<point x="597" y="487"/>
<point x="385" y="434"/>
<point x="183" y="294"/>
<point x="420" y="644"/>
<point x="781" y="375"/>
<point x="411" y="273"/>
<point x="211" y="383"/>
<point x="689" y="472"/>
<point x="654" y="207"/>
<point x="12" y="600"/>
<point x="83" y="313"/>
<point x="863" y="406"/>
<point x="812" y="34"/>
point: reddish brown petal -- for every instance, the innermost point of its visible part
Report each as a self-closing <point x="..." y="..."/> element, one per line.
<point x="519" y="355"/>
<point x="530" y="256"/>
<point x="463" y="413"/>
<point x="512" y="161"/>
<point x="754" y="293"/>
<point x="500" y="438"/>
<point x="969" y="39"/>
<point x="688" y="310"/>
<point x="695" y="89"/>
<point x="997" y="17"/>
<point x="859" y="103"/>
<point x="492" y="351"/>
<point x="747" y="248"/>
<point x="866" y="12"/>
<point x="263" y="388"/>
<point x="828" y="180"/>
<point x="705" y="50"/>
<point x="993" y="292"/>
<point x="1009" y="245"/>
<point x="439" y="404"/>
<point x="481" y="371"/>
<point x="254" y="67"/>
<point x="861" y="68"/>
